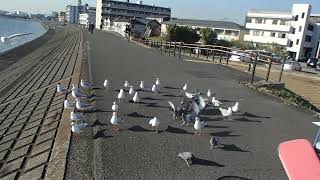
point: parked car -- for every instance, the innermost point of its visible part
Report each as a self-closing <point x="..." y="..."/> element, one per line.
<point x="312" y="62"/>
<point x="318" y="66"/>
<point x="276" y="58"/>
<point x="240" y="57"/>
<point x="292" y="66"/>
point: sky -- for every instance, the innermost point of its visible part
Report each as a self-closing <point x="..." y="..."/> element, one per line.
<point x="229" y="10"/>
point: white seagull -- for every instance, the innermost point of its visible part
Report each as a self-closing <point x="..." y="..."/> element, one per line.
<point x="77" y="94"/>
<point x="215" y="102"/>
<point x="209" y="93"/>
<point x="235" y="108"/>
<point x="226" y="112"/>
<point x="154" y="88"/>
<point x="126" y="84"/>
<point x="154" y="122"/>
<point x="69" y="104"/>
<point x="185" y="87"/>
<point x="106" y="84"/>
<point x="115" y="121"/>
<point x="121" y="95"/>
<point x="86" y="84"/>
<point x="198" y="126"/>
<point x="115" y="107"/>
<point x="62" y="88"/>
<point x="131" y="91"/>
<point x="158" y="82"/>
<point x="74" y="116"/>
<point x="136" y="98"/>
<point x="83" y="106"/>
<point x="76" y="127"/>
<point x="173" y="109"/>
<point x="142" y="85"/>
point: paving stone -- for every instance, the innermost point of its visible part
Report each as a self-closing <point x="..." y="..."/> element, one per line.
<point x="15" y="128"/>
<point x="25" y="114"/>
<point x="40" y="110"/>
<point x="50" y="126"/>
<point x="4" y="126"/>
<point x="37" y="160"/>
<point x="9" y="137"/>
<point x="33" y="174"/>
<point x="2" y="132"/>
<point x="9" y="176"/>
<point x="46" y="136"/>
<point x="11" y="166"/>
<point x="36" y="117"/>
<point x="5" y="145"/>
<point x="2" y="155"/>
<point x="33" y="124"/>
<point x="41" y="147"/>
<point x="17" y="153"/>
<point x="29" y="132"/>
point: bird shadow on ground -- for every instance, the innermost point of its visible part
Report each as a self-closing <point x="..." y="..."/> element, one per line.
<point x="101" y="134"/>
<point x="98" y="123"/>
<point x="211" y="111"/>
<point x="155" y="105"/>
<point x="226" y="101"/>
<point x="137" y="115"/>
<point x="170" y="87"/>
<point x="172" y="95"/>
<point x="139" y="129"/>
<point x="97" y="111"/>
<point x="243" y="119"/>
<point x="132" y="102"/>
<point x="223" y="134"/>
<point x="232" y="147"/>
<point x="254" y="116"/>
<point x="209" y="119"/>
<point x="177" y="130"/>
<point x="204" y="162"/>
<point x="209" y="126"/>
<point x="232" y="178"/>
<point x="152" y="99"/>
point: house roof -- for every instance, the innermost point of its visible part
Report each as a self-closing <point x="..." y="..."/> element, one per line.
<point x="205" y="23"/>
<point x="121" y="20"/>
<point x="146" y="21"/>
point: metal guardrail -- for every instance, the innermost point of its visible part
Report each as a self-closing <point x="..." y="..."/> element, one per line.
<point x="223" y="53"/>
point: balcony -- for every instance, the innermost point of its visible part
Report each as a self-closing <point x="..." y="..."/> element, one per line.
<point x="268" y="27"/>
<point x="266" y="40"/>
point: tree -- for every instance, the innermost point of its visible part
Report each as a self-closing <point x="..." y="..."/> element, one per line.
<point x="277" y="49"/>
<point x="208" y="37"/>
<point x="181" y="33"/>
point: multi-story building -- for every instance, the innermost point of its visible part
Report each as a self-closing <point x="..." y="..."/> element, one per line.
<point x="294" y="30"/>
<point x="72" y="14"/>
<point x="225" y="30"/>
<point x="88" y="18"/>
<point x="111" y="9"/>
<point x="62" y="17"/>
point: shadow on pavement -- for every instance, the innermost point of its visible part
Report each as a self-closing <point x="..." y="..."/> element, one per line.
<point x="139" y="129"/>
<point x="209" y="126"/>
<point x="98" y="123"/>
<point x="156" y="106"/>
<point x="172" y="95"/>
<point x="177" y="130"/>
<point x="204" y="162"/>
<point x="135" y="114"/>
<point x="170" y="87"/>
<point x="211" y="112"/>
<point x="101" y="134"/>
<point x="232" y="178"/>
<point x="209" y="119"/>
<point x="152" y="99"/>
<point x="243" y="119"/>
<point x="223" y="134"/>
<point x="232" y="147"/>
<point x="255" y="116"/>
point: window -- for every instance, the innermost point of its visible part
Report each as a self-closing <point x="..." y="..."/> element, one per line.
<point x="219" y="31"/>
<point x="308" y="38"/>
<point x="290" y="43"/>
<point x="282" y="35"/>
<point x="293" y="30"/>
<point x="302" y="16"/>
<point x="297" y="43"/>
<point x="296" y="18"/>
<point x="259" y="21"/>
<point x="310" y="27"/>
<point x="257" y="33"/>
<point x="275" y="22"/>
<point x="273" y="34"/>
<point x="282" y="22"/>
<point x="300" y="28"/>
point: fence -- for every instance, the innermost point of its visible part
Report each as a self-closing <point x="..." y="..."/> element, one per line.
<point x="216" y="53"/>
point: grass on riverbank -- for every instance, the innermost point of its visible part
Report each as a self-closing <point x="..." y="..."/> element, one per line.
<point x="155" y="38"/>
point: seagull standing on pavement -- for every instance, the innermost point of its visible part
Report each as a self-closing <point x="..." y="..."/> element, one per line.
<point x="187" y="157"/>
<point x="185" y="87"/>
<point x="209" y="93"/>
<point x="61" y="88"/>
<point x="226" y="113"/>
<point x="106" y="84"/>
<point x="131" y="91"/>
<point x="136" y="98"/>
<point x="121" y="95"/>
<point x="83" y="106"/>
<point x="115" y="121"/>
<point x="115" y="107"/>
<point x="142" y="86"/>
<point x="235" y="108"/>
<point x="214" y="142"/>
<point x="215" y="102"/>
<point x="74" y="116"/>
<point x="76" y="127"/>
<point x="86" y="84"/>
<point x="154" y="122"/>
<point x="198" y="125"/>
<point x="154" y="89"/>
<point x="126" y="84"/>
<point x="69" y="104"/>
<point x="158" y="83"/>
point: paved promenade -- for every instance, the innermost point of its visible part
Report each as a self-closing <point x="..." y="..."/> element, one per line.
<point x="32" y="133"/>
<point x="250" y="139"/>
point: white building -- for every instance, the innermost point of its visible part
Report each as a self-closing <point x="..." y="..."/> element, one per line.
<point x="111" y="9"/>
<point x="88" y="18"/>
<point x="225" y="30"/>
<point x="294" y="30"/>
<point x="72" y="14"/>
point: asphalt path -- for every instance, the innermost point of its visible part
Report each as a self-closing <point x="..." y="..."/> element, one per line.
<point x="250" y="138"/>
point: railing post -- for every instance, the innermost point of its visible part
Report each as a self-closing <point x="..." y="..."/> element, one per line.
<point x="198" y="52"/>
<point x="220" y="56"/>
<point x="269" y="69"/>
<point x="169" y="47"/>
<point x="280" y="76"/>
<point x="190" y="51"/>
<point x="161" y="45"/>
<point x="228" y="56"/>
<point x="254" y="67"/>
<point x="180" y="50"/>
<point x="207" y="54"/>
<point x="213" y="54"/>
<point x="174" y="48"/>
<point x="165" y="47"/>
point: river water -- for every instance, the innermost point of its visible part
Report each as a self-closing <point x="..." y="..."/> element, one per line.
<point x="10" y="27"/>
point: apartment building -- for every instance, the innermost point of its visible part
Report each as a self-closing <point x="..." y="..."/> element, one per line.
<point x="225" y="30"/>
<point x="295" y="30"/>
<point x="88" y="17"/>
<point x="111" y="9"/>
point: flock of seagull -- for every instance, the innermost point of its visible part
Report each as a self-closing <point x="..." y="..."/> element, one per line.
<point x="189" y="109"/>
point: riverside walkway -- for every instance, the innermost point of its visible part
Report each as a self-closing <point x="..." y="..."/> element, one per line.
<point x="32" y="133"/>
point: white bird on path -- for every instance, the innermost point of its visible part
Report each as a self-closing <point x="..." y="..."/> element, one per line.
<point x="126" y="84"/>
<point x="209" y="93"/>
<point x="185" y="87"/>
<point x="136" y="98"/>
<point x="154" y="88"/>
<point x="235" y="108"/>
<point x="173" y="109"/>
<point x="226" y="112"/>
<point x="76" y="116"/>
<point x="154" y="122"/>
<point x="142" y="85"/>
<point x="69" y="104"/>
<point x="76" y="127"/>
<point x="115" y="121"/>
<point x="131" y="90"/>
<point x="199" y="125"/>
<point x="86" y="84"/>
<point x="187" y="157"/>
<point x="83" y="106"/>
<point x="158" y="82"/>
<point x="215" y="102"/>
<point x="121" y="95"/>
<point x="77" y="94"/>
<point x="115" y="107"/>
<point x="62" y="88"/>
<point x="106" y="84"/>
